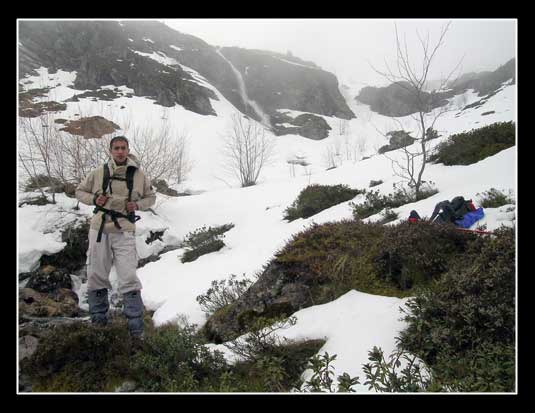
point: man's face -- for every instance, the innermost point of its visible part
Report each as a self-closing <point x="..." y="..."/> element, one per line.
<point x="119" y="151"/>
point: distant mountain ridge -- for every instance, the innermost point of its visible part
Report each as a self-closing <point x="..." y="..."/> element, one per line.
<point x="152" y="59"/>
<point x="396" y="100"/>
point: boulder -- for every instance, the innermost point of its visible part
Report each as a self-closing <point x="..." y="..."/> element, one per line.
<point x="48" y="278"/>
<point x="27" y="346"/>
<point x="57" y="303"/>
<point x="93" y="127"/>
<point x="161" y="186"/>
<point x="273" y="295"/>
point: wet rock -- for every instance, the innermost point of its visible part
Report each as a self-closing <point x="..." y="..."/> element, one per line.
<point x="273" y="295"/>
<point x="48" y="278"/>
<point x="60" y="302"/>
<point x="27" y="346"/>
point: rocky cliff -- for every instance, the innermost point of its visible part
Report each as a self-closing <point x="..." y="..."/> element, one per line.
<point x="154" y="60"/>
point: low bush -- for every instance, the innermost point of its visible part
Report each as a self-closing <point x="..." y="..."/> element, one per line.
<point x="463" y="327"/>
<point x="268" y="362"/>
<point x="175" y="360"/>
<point x="494" y="198"/>
<point x="412" y="255"/>
<point x="204" y="241"/>
<point x="316" y="198"/>
<point x="73" y="257"/>
<point x="370" y="257"/>
<point x="375" y="202"/>
<point x="222" y="293"/>
<point x="388" y="216"/>
<point x="80" y="358"/>
<point x="471" y="147"/>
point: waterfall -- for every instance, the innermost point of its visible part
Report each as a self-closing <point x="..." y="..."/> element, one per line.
<point x="243" y="92"/>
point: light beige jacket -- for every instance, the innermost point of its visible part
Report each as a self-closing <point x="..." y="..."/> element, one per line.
<point x="142" y="194"/>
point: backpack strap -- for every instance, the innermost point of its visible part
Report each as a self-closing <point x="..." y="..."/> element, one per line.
<point x="130" y="171"/>
<point x="105" y="179"/>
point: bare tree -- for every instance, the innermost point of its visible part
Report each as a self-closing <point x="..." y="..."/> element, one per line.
<point x="412" y="80"/>
<point x="37" y="140"/>
<point x="246" y="149"/>
<point x="45" y="150"/>
<point x="331" y="156"/>
<point x="162" y="152"/>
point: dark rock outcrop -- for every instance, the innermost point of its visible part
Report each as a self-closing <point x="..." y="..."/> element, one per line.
<point x="275" y="82"/>
<point x="274" y="294"/>
<point x="398" y="139"/>
<point x="485" y="83"/>
<point x="398" y="99"/>
<point x="60" y="302"/>
<point x="49" y="278"/>
<point x="306" y="125"/>
<point x="161" y="186"/>
<point x="93" y="127"/>
<point x="102" y="54"/>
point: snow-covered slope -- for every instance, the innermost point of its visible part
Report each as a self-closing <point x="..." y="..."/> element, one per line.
<point x="171" y="287"/>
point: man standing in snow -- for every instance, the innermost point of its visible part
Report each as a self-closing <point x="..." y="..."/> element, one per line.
<point x="117" y="189"/>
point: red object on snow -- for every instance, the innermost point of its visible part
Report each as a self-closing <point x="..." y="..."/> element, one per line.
<point x="477" y="231"/>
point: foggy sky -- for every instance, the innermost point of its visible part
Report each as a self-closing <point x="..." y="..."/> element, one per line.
<point x="347" y="47"/>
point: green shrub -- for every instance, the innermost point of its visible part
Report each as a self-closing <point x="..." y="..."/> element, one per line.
<point x="415" y="254"/>
<point x="334" y="258"/>
<point x="494" y="198"/>
<point x="322" y="379"/>
<point x="388" y="216"/>
<point x="471" y="147"/>
<point x="73" y="256"/>
<point x="204" y="241"/>
<point x="80" y="358"/>
<point x="175" y="360"/>
<point x="222" y="293"/>
<point x="464" y="326"/>
<point x="375" y="202"/>
<point x="384" y="376"/>
<point x="268" y="362"/>
<point x="316" y="198"/>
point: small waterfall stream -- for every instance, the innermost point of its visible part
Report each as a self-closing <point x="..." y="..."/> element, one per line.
<point x="243" y="92"/>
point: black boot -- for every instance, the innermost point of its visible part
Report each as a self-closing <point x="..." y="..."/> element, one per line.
<point x="133" y="310"/>
<point x="98" y="306"/>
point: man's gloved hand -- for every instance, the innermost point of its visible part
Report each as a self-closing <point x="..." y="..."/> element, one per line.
<point x="101" y="200"/>
<point x="131" y="206"/>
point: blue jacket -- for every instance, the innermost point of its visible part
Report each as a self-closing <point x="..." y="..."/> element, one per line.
<point x="469" y="218"/>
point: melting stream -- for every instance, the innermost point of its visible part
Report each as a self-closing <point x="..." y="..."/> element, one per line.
<point x="258" y="110"/>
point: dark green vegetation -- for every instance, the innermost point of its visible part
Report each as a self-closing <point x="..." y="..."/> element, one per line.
<point x="73" y="256"/>
<point x="204" y="241"/>
<point x="494" y="198"/>
<point x="375" y="202"/>
<point x="372" y="258"/>
<point x="461" y="321"/>
<point x="471" y="147"/>
<point x="85" y="358"/>
<point x="463" y="326"/>
<point x="316" y="198"/>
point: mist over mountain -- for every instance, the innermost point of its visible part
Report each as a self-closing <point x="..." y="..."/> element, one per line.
<point x="153" y="59"/>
